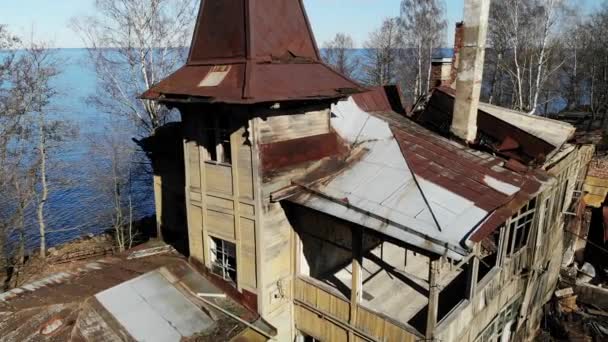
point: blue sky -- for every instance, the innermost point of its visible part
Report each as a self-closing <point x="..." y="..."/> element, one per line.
<point x="48" y="19"/>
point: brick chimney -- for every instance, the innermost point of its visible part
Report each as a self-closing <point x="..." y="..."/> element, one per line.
<point x="470" y="69"/>
<point x="441" y="72"/>
<point x="445" y="70"/>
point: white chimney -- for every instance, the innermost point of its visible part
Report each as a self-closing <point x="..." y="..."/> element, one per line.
<point x="470" y="69"/>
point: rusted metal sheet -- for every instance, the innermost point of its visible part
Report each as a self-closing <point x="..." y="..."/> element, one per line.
<point x="266" y="51"/>
<point x="413" y="184"/>
<point x="279" y="155"/>
<point x="381" y="99"/>
<point x="508" y="133"/>
<point x="87" y="303"/>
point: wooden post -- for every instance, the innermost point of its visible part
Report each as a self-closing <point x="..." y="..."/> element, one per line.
<point x="356" y="293"/>
<point x="473" y="270"/>
<point x="158" y="200"/>
<point x="431" y="319"/>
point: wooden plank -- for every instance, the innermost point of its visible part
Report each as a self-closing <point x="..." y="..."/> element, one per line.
<point x="219" y="178"/>
<point x="247" y="209"/>
<point x="195" y="232"/>
<point x="193" y="165"/>
<point x="220" y="224"/>
<point x="332" y="305"/>
<point x="248" y="244"/>
<point x="245" y="171"/>
<point x="370" y="323"/>
<point x="219" y="204"/>
<point x="288" y="127"/>
<point x="393" y="332"/>
<point x="308" y="322"/>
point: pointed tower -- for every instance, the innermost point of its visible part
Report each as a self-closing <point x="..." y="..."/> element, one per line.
<point x="255" y="102"/>
<point x="246" y="51"/>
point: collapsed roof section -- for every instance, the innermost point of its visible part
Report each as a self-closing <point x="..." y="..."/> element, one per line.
<point x="148" y="295"/>
<point x="528" y="139"/>
<point x="246" y="51"/>
<point x="413" y="184"/>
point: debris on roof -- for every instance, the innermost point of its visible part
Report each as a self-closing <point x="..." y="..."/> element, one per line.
<point x="411" y="183"/>
<point x="151" y="298"/>
<point x="253" y="52"/>
<point x="526" y="138"/>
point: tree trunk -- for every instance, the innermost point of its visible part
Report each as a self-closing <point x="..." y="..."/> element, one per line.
<point x="44" y="186"/>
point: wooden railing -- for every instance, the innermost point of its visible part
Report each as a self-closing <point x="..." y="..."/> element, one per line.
<point x="315" y="299"/>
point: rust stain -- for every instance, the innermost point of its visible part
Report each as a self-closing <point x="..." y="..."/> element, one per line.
<point x="280" y="155"/>
<point x="502" y="138"/>
<point x="271" y="50"/>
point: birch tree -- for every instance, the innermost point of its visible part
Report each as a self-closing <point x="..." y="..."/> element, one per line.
<point x="114" y="173"/>
<point x="381" y="54"/>
<point x="340" y="54"/>
<point x="422" y="26"/>
<point x="528" y="30"/>
<point x="26" y="90"/>
<point x="134" y="44"/>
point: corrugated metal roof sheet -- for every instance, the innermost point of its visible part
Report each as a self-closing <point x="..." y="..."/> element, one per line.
<point x="265" y="50"/>
<point x="413" y="184"/>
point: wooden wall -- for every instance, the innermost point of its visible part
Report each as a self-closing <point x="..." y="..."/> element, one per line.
<point x="324" y="313"/>
<point x="221" y="199"/>
<point x="507" y="283"/>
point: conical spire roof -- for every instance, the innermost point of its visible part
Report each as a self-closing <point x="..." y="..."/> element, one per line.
<point x="252" y="51"/>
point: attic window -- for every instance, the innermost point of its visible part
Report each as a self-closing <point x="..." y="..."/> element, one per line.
<point x="215" y="76"/>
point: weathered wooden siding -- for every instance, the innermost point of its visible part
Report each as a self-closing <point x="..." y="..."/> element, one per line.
<point x="324" y="313"/>
<point x="220" y="200"/>
<point x="505" y="284"/>
<point x="293" y="126"/>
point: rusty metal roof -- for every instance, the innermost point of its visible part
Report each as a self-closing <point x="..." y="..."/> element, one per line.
<point x="246" y="51"/>
<point x="526" y="138"/>
<point x="123" y="298"/>
<point x="413" y="184"/>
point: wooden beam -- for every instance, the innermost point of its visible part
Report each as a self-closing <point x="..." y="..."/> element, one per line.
<point x="356" y="293"/>
<point x="431" y="319"/>
<point x="473" y="273"/>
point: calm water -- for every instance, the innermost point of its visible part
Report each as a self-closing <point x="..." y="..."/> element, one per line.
<point x="77" y="208"/>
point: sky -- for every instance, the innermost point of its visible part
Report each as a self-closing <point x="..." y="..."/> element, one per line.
<point x="49" y="19"/>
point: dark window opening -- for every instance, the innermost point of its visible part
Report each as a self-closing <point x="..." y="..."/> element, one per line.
<point x="489" y="253"/>
<point x="216" y="139"/>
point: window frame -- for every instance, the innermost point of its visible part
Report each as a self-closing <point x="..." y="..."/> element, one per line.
<point x="221" y="264"/>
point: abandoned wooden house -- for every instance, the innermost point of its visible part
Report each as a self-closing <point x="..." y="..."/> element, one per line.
<point x="336" y="216"/>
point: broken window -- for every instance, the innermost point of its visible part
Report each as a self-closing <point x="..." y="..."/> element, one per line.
<point x="547" y="216"/>
<point x="519" y="227"/>
<point x="504" y="320"/>
<point x="489" y="253"/>
<point x="223" y="258"/>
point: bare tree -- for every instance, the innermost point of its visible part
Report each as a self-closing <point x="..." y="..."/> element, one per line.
<point x="134" y="44"/>
<point x="340" y="54"/>
<point x="115" y="174"/>
<point x="381" y="53"/>
<point x="528" y="29"/>
<point x="422" y="27"/>
<point x="25" y="93"/>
